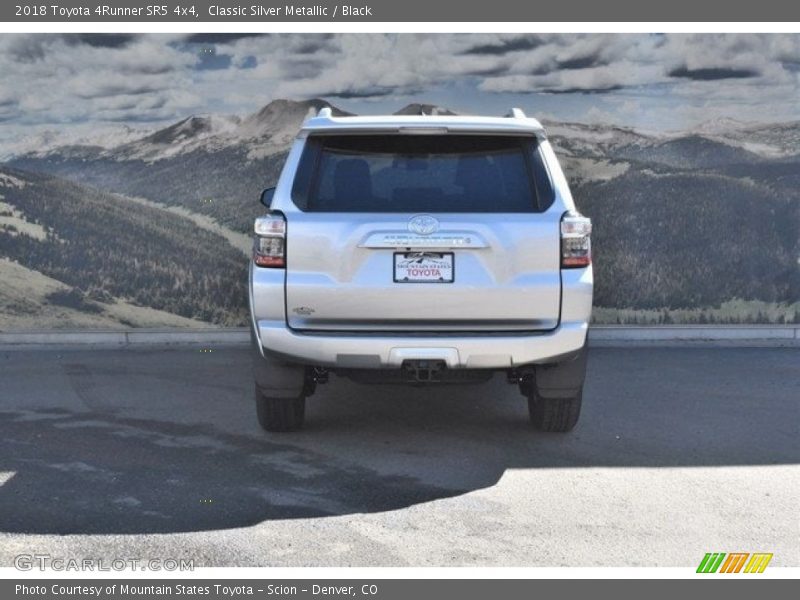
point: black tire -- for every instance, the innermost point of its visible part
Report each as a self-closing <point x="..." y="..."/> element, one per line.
<point x="554" y="415"/>
<point x="280" y="414"/>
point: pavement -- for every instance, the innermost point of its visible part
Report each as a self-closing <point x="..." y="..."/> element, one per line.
<point x="156" y="453"/>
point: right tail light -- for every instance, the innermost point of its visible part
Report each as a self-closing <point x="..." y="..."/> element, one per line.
<point x="576" y="242"/>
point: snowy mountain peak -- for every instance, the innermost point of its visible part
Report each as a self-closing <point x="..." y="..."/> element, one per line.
<point x="722" y="125"/>
<point x="280" y="112"/>
<point x="273" y="127"/>
<point x="192" y="128"/>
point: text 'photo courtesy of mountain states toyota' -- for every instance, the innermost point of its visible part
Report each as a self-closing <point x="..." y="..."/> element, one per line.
<point x="421" y="249"/>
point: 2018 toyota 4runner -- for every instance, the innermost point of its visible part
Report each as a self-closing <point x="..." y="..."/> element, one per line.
<point x="420" y="249"/>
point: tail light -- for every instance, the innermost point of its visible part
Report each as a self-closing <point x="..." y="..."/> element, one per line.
<point x="576" y="244"/>
<point x="269" y="245"/>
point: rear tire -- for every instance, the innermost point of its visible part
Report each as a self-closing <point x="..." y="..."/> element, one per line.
<point x="554" y="415"/>
<point x="280" y="414"/>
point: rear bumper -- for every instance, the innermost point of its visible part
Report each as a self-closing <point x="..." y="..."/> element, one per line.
<point x="377" y="352"/>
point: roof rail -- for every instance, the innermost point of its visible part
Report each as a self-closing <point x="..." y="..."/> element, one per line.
<point x="516" y="113"/>
<point x="325" y="112"/>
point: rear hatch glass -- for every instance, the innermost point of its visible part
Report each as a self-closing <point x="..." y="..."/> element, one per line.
<point x="445" y="173"/>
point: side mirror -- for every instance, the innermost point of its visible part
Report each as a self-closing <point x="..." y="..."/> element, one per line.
<point x="266" y="196"/>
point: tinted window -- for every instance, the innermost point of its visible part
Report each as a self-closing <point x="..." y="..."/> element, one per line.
<point x="422" y="173"/>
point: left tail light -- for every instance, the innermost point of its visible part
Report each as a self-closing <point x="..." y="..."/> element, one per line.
<point x="269" y="245"/>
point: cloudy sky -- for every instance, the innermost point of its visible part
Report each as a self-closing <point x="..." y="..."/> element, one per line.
<point x="655" y="82"/>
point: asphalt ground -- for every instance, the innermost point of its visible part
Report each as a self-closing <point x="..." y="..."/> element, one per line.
<point x="156" y="453"/>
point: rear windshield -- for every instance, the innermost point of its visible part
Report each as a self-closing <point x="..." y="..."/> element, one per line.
<point x="422" y="173"/>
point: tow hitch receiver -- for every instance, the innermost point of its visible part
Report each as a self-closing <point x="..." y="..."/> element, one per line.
<point x="423" y="371"/>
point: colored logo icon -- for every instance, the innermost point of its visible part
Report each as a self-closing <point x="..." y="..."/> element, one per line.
<point x="734" y="562"/>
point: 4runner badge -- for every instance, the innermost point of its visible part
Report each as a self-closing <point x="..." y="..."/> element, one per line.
<point x="423" y="225"/>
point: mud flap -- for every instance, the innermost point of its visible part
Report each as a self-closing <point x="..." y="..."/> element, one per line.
<point x="274" y="378"/>
<point x="562" y="379"/>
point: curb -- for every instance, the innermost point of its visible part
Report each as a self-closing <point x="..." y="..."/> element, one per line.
<point x="133" y="337"/>
<point x="743" y="335"/>
<point x="599" y="336"/>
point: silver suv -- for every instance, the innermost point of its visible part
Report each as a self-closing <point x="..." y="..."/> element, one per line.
<point x="420" y="249"/>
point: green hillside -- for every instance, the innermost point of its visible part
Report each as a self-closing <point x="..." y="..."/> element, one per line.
<point x="106" y="247"/>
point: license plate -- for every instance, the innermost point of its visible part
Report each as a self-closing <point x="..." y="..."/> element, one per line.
<point x="423" y="267"/>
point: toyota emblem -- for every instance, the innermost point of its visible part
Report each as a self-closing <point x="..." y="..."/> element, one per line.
<point x="423" y="225"/>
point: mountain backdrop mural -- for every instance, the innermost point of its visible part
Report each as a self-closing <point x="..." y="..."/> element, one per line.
<point x="148" y="225"/>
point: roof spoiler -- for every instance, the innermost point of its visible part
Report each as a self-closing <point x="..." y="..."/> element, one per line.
<point x="515" y="113"/>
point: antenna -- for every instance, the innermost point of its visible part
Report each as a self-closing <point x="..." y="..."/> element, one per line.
<point x="325" y="112"/>
<point x="516" y="113"/>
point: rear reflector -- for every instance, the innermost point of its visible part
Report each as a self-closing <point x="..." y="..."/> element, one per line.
<point x="576" y="244"/>
<point x="269" y="245"/>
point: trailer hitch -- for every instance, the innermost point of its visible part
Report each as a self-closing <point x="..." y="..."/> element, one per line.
<point x="424" y="371"/>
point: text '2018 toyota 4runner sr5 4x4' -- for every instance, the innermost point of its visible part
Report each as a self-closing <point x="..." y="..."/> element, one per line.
<point x="420" y="249"/>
